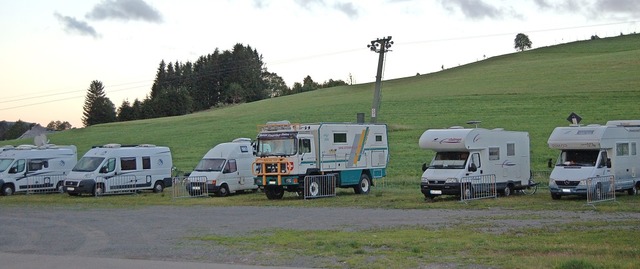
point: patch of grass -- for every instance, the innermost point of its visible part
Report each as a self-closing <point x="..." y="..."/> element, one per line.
<point x="594" y="245"/>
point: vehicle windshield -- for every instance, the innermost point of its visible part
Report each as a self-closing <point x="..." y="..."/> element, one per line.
<point x="277" y="147"/>
<point x="4" y="164"/>
<point x="88" y="164"/>
<point x="578" y="158"/>
<point x="210" y="165"/>
<point x="449" y="160"/>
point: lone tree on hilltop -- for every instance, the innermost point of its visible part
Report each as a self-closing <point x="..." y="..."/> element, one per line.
<point x="522" y="42"/>
<point x="97" y="107"/>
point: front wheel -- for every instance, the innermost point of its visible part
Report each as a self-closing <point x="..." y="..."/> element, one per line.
<point x="223" y="191"/>
<point x="274" y="193"/>
<point x="556" y="196"/>
<point x="364" y="186"/>
<point x="7" y="190"/>
<point x="632" y="191"/>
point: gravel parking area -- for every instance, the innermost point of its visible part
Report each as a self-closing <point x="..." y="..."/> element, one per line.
<point x="166" y="233"/>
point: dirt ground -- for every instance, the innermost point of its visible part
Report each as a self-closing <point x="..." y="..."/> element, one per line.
<point x="166" y="233"/>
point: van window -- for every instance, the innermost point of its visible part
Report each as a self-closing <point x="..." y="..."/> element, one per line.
<point x="231" y="166"/>
<point x="244" y="149"/>
<point x="18" y="166"/>
<point x="494" y="154"/>
<point x="475" y="160"/>
<point x="111" y="165"/>
<point x="633" y="148"/>
<point x="146" y="162"/>
<point x="305" y="146"/>
<point x="339" y="137"/>
<point x="128" y="163"/>
<point x="622" y="149"/>
<point x="378" y="138"/>
<point x="511" y="149"/>
<point x="35" y="165"/>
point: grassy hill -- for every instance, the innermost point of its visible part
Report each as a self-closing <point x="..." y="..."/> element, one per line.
<point x="530" y="91"/>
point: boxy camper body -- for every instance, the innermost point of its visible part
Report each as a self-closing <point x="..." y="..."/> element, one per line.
<point x="226" y="168"/>
<point x="595" y="151"/>
<point x="464" y="152"/>
<point x="35" y="168"/>
<point x="116" y="168"/>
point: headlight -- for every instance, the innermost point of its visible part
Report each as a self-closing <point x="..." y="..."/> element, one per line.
<point x="451" y="180"/>
<point x="552" y="182"/>
<point x="424" y="179"/>
<point x="582" y="183"/>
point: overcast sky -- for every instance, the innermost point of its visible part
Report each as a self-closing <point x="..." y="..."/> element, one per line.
<point x="52" y="50"/>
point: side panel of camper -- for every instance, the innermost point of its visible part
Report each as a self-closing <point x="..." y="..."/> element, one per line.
<point x="227" y="168"/>
<point x="464" y="153"/>
<point x="116" y="168"/>
<point x="353" y="153"/>
<point x="29" y="168"/>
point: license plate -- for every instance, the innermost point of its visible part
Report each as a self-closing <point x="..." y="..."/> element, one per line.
<point x="566" y="190"/>
<point x="196" y="188"/>
<point x="70" y="188"/>
<point x="435" y="192"/>
<point x="272" y="183"/>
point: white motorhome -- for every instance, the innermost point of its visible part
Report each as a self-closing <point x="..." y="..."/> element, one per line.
<point x="595" y="151"/>
<point x="226" y="168"/>
<point x="35" y="168"/>
<point x="462" y="152"/>
<point x="355" y="153"/>
<point x="117" y="168"/>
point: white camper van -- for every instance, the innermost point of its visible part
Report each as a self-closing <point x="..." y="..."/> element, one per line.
<point x="595" y="151"/>
<point x="226" y="168"/>
<point x="355" y="153"/>
<point x="472" y="152"/>
<point x="35" y="168"/>
<point x="114" y="168"/>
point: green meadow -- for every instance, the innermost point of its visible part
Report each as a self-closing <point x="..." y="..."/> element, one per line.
<point x="532" y="91"/>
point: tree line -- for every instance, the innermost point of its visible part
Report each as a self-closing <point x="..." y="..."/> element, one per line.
<point x="214" y="80"/>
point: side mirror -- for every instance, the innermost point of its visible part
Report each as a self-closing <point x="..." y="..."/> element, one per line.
<point x="424" y="167"/>
<point x="473" y="167"/>
<point x="103" y="170"/>
<point x="13" y="170"/>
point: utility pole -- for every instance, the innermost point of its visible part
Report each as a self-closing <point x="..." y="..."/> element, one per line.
<point x="380" y="46"/>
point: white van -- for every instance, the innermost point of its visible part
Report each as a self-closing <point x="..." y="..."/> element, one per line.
<point x="462" y="152"/>
<point x="594" y="151"/>
<point x="35" y="169"/>
<point x="114" y="168"/>
<point x="226" y="169"/>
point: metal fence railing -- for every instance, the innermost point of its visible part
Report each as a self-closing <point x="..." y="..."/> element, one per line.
<point x="319" y="186"/>
<point x="478" y="187"/>
<point x="115" y="185"/>
<point x="185" y="187"/>
<point x="41" y="184"/>
<point x="600" y="189"/>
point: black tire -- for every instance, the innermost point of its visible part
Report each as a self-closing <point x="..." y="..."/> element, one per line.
<point x="73" y="194"/>
<point x="7" y="190"/>
<point x="59" y="187"/>
<point x="158" y="187"/>
<point x="364" y="186"/>
<point x="274" y="193"/>
<point x="507" y="190"/>
<point x="556" y="196"/>
<point x="223" y="191"/>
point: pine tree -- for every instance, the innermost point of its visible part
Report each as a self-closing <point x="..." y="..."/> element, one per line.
<point x="97" y="107"/>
